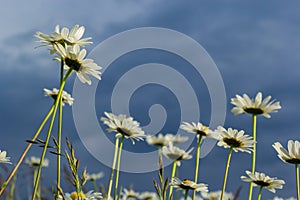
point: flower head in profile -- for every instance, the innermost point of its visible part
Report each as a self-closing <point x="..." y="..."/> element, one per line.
<point x="35" y="162"/>
<point x="148" y="196"/>
<point x="3" y="158"/>
<point x="63" y="37"/>
<point x="216" y="195"/>
<point x="279" y="198"/>
<point x="66" y="97"/>
<point x="163" y="140"/>
<point x="291" y="156"/>
<point x="262" y="180"/>
<point x="129" y="194"/>
<point x="123" y="126"/>
<point x="94" y="176"/>
<point x="232" y="138"/>
<point x="196" y="128"/>
<point x="188" y="185"/>
<point x="176" y="154"/>
<point x="91" y="195"/>
<point x="74" y="58"/>
<point x="257" y="106"/>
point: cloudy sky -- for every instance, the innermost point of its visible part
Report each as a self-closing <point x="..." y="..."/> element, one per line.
<point x="254" y="45"/>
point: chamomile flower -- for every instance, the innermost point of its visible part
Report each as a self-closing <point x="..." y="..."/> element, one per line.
<point x="262" y="180"/>
<point x="291" y="156"/>
<point x="91" y="195"/>
<point x="176" y="154"/>
<point x="74" y="58"/>
<point x="216" y="195"/>
<point x="188" y="185"/>
<point x="63" y="36"/>
<point x="129" y="194"/>
<point x="123" y="126"/>
<point x="66" y="97"/>
<point x="232" y="138"/>
<point x="3" y="158"/>
<point x="255" y="106"/>
<point x="94" y="176"/>
<point x="196" y="128"/>
<point x="35" y="162"/>
<point x="148" y="196"/>
<point x="163" y="140"/>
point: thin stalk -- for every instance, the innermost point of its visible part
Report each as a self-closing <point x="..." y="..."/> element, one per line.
<point x="49" y="133"/>
<point x="253" y="154"/>
<point x="113" y="168"/>
<point x="12" y="188"/>
<point x="118" y="166"/>
<point x="260" y="192"/>
<point x="297" y="181"/>
<point x="197" y="163"/>
<point x="34" y="177"/>
<point x="172" y="176"/>
<point x="13" y="172"/>
<point x="186" y="194"/>
<point x="226" y="173"/>
<point x="95" y="186"/>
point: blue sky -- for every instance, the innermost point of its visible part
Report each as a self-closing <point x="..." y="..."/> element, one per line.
<point x="254" y="44"/>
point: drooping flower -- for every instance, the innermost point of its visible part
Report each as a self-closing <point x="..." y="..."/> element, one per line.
<point x="188" y="185"/>
<point x="94" y="176"/>
<point x="91" y="195"/>
<point x="216" y="195"/>
<point x="74" y="58"/>
<point x="66" y="97"/>
<point x="196" y="128"/>
<point x="63" y="37"/>
<point x="262" y="180"/>
<point x="163" y="140"/>
<point x="123" y="126"/>
<point x="129" y="194"/>
<point x="3" y="158"/>
<point x="291" y="156"/>
<point x="35" y="162"/>
<point x="255" y="106"/>
<point x="176" y="154"/>
<point x="232" y="138"/>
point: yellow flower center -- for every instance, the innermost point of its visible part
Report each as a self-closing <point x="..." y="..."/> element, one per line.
<point x="76" y="196"/>
<point x="186" y="182"/>
<point x="203" y="131"/>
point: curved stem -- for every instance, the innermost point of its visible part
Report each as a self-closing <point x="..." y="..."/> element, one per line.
<point x="13" y="172"/>
<point x="113" y="168"/>
<point x="260" y="192"/>
<point x="253" y="154"/>
<point x="226" y="173"/>
<point x="118" y="166"/>
<point x="297" y="181"/>
<point x="172" y="176"/>
<point x="197" y="163"/>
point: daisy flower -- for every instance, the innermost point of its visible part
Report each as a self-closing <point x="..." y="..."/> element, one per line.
<point x="3" y="158"/>
<point x="129" y="194"/>
<point x="196" y="128"/>
<point x="66" y="97"/>
<point x="94" y="176"/>
<point x="163" y="140"/>
<point x="188" y="185"/>
<point x="35" y="162"/>
<point x="82" y="196"/>
<point x="74" y="58"/>
<point x="123" y="126"/>
<point x="216" y="195"/>
<point x="279" y="198"/>
<point x="176" y="154"/>
<point x="255" y="106"/>
<point x="234" y="139"/>
<point x="264" y="181"/>
<point x="148" y="196"/>
<point x="63" y="36"/>
<point x="291" y="156"/>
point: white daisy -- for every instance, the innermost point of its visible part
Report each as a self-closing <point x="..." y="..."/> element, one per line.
<point x="163" y="140"/>
<point x="255" y="106"/>
<point x="234" y="139"/>
<point x="3" y="158"/>
<point x="94" y="176"/>
<point x="216" y="195"/>
<point x="260" y="179"/>
<point x="35" y="162"/>
<point x="129" y="194"/>
<point x="75" y="58"/>
<point x="279" y="198"/>
<point x="197" y="197"/>
<point x="196" y="128"/>
<point x="176" y="154"/>
<point x="188" y="185"/>
<point x="291" y="156"/>
<point x="66" y="97"/>
<point x="63" y="36"/>
<point x="148" y="196"/>
<point x="82" y="196"/>
<point x="123" y="126"/>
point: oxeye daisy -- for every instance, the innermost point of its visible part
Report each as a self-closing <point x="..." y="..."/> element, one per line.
<point x="148" y="196"/>
<point x="292" y="156"/>
<point x="3" y="158"/>
<point x="66" y="97"/>
<point x="163" y="140"/>
<point x="263" y="181"/>
<point x="91" y="195"/>
<point x="74" y="58"/>
<point x="129" y="194"/>
<point x="35" y="162"/>
<point x="216" y="195"/>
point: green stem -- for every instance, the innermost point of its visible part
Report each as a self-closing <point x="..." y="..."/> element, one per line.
<point x="118" y="166"/>
<point x="95" y="185"/>
<point x="226" y="173"/>
<point x="186" y="194"/>
<point x="113" y="168"/>
<point x="13" y="172"/>
<point x="197" y="163"/>
<point x="49" y="133"/>
<point x="260" y="192"/>
<point x="253" y="154"/>
<point x="12" y="188"/>
<point x="297" y="181"/>
<point x="172" y="176"/>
